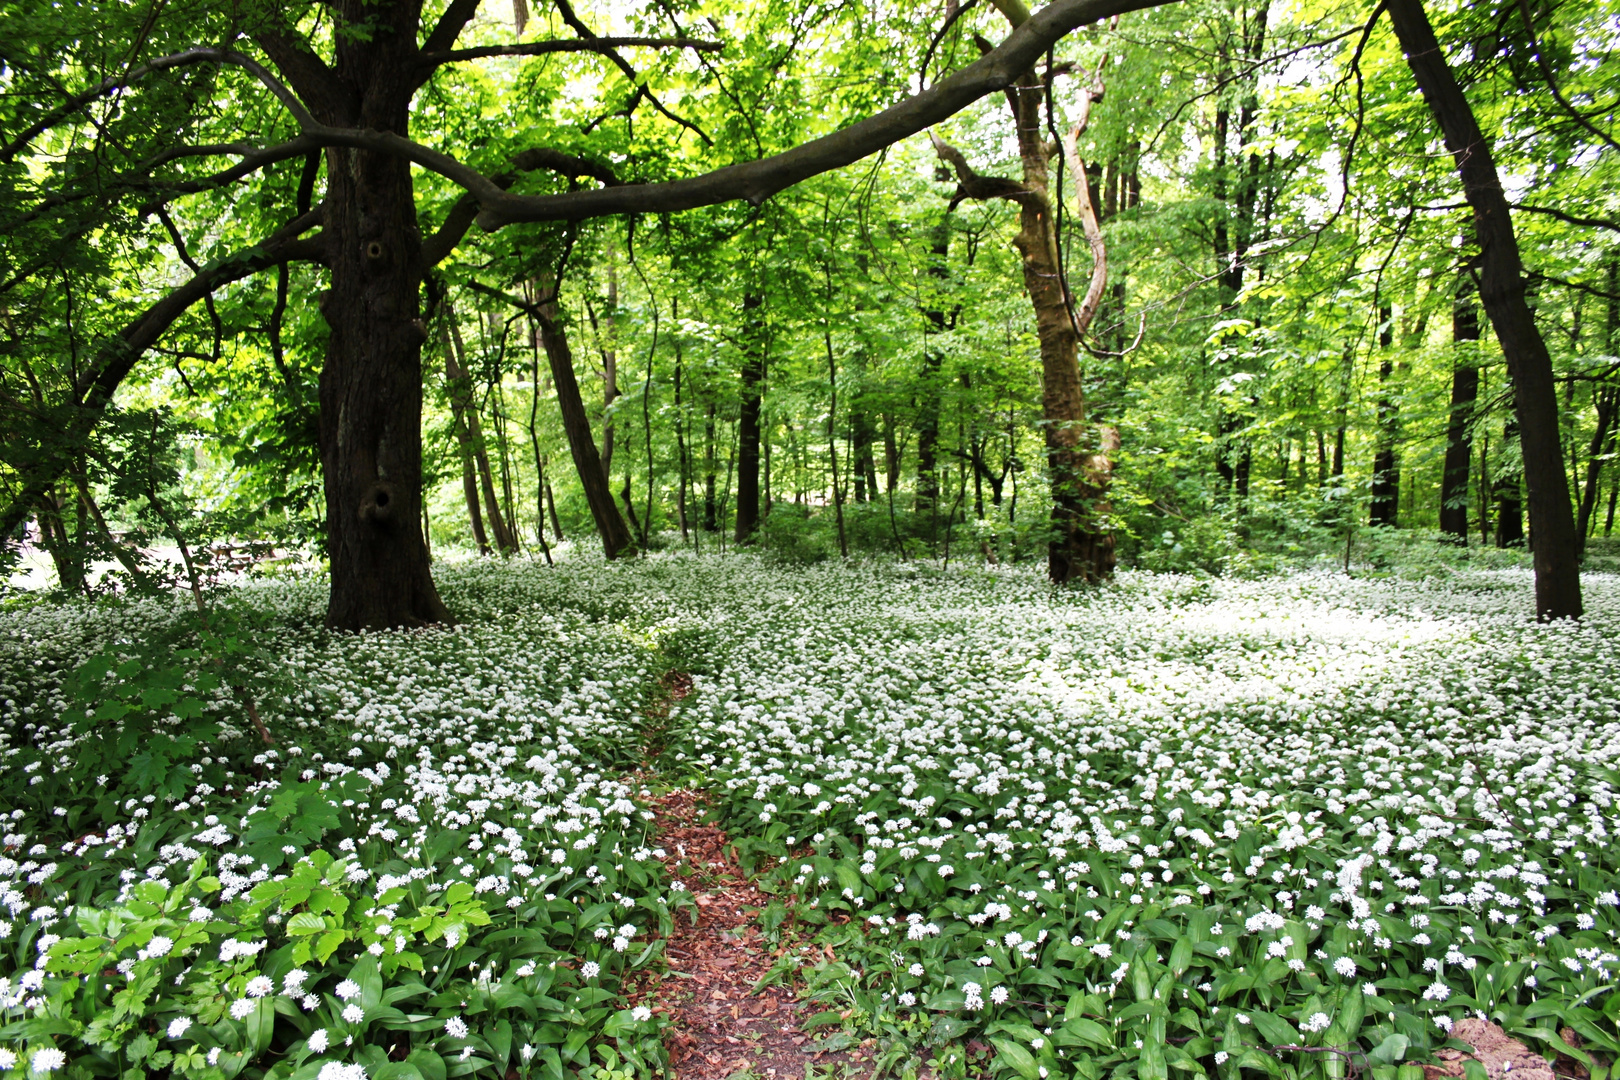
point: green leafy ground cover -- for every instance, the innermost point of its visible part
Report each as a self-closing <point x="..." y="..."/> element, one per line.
<point x="1292" y="827"/>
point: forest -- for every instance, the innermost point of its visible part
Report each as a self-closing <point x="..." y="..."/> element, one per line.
<point x="599" y="540"/>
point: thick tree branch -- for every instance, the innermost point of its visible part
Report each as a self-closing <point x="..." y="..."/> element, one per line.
<point x="756" y="181"/>
<point x="451" y="23"/>
<point x="436" y="248"/>
<point x="971" y="185"/>
<point x="328" y="97"/>
<point x="545" y="48"/>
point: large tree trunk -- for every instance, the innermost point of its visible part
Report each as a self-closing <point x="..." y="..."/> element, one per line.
<point x="1078" y="454"/>
<point x="371" y="383"/>
<point x="577" y="427"/>
<point x="1464" y="392"/>
<point x="1552" y="521"/>
<point x="753" y="374"/>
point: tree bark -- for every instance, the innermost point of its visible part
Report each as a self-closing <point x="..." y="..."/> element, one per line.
<point x="610" y="526"/>
<point x="1464" y="392"/>
<point x="371" y="382"/>
<point x="753" y="374"/>
<point x="1552" y="521"/>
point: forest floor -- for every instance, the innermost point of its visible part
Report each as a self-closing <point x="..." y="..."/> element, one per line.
<point x="719" y="819"/>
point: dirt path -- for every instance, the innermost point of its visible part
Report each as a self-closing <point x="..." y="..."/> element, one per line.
<point x="719" y="1027"/>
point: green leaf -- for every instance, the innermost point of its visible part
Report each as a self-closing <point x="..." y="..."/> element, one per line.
<point x="1390" y="1051"/>
<point x="305" y="923"/>
<point x="1084" y="1032"/>
<point x="1020" y="1060"/>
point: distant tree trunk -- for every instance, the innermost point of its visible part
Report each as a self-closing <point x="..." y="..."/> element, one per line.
<point x="1386" y="478"/>
<point x="1608" y="404"/>
<point x="680" y="434"/>
<point x="1505" y="489"/>
<point x="753" y="374"/>
<point x="469" y="489"/>
<point x="937" y="324"/>
<point x="551" y="509"/>
<point x="608" y="343"/>
<point x="860" y="437"/>
<point x="711" y="523"/>
<point x="1552" y="521"/>
<point x="577" y="427"/>
<point x="1464" y="392"/>
<point x="469" y="432"/>
<point x="1602" y="444"/>
<point x="891" y="455"/>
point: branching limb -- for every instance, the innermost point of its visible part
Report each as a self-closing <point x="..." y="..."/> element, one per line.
<point x="969" y="184"/>
<point x="602" y="45"/>
<point x="436" y="248"/>
<point x="288" y="99"/>
<point x="956" y="12"/>
<point x="450" y="24"/>
<point x="756" y="181"/>
<point x="1552" y="83"/>
<point x="587" y="34"/>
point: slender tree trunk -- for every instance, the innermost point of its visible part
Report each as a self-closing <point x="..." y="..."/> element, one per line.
<point x="610" y="526"/>
<point x="534" y="436"/>
<point x="832" y="434"/>
<point x="1608" y="404"/>
<point x="475" y="515"/>
<point x="470" y="434"/>
<point x="891" y="455"/>
<point x="551" y="507"/>
<point x="1386" y="478"/>
<point x="1608" y="398"/>
<point x="711" y="523"/>
<point x="937" y="322"/>
<point x="1509" y="511"/>
<point x="1552" y="521"/>
<point x="753" y="374"/>
<point x="1464" y="392"/>
<point x="680" y="437"/>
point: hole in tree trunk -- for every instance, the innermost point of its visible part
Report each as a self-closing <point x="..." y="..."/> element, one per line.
<point x="377" y="504"/>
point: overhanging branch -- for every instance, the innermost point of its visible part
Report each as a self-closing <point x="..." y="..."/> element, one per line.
<point x="756" y="181"/>
<point x="545" y="48"/>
